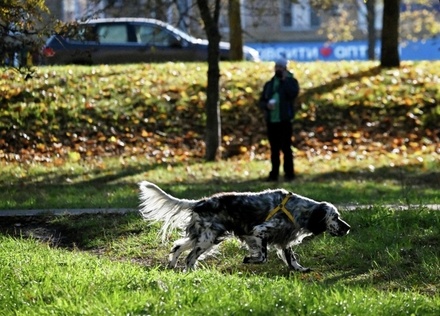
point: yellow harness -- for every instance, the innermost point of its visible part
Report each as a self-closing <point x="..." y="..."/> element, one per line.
<point x="282" y="207"/>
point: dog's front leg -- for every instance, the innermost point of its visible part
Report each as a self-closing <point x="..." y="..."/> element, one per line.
<point x="258" y="249"/>
<point x="290" y="259"/>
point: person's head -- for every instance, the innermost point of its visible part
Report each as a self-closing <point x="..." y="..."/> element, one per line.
<point x="280" y="66"/>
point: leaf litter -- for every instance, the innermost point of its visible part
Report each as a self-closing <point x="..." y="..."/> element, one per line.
<point x="157" y="111"/>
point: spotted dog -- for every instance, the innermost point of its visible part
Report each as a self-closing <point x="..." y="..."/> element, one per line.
<point x="271" y="217"/>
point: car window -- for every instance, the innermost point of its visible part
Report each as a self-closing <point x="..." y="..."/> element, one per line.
<point x="154" y="35"/>
<point x="112" y="33"/>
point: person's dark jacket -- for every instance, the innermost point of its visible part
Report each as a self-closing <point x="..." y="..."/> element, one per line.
<point x="288" y="91"/>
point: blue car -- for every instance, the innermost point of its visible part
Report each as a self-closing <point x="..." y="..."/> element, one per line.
<point x="130" y="40"/>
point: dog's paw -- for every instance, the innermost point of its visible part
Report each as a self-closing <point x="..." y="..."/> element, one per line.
<point x="253" y="260"/>
<point x="171" y="265"/>
<point x="302" y="269"/>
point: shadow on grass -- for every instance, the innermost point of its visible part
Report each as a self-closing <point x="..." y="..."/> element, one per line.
<point x="112" y="188"/>
<point x="339" y="82"/>
<point x="390" y="185"/>
<point x="386" y="249"/>
<point x="82" y="232"/>
<point x="97" y="176"/>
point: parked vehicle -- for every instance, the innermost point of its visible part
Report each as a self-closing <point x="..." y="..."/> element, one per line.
<point x="130" y="40"/>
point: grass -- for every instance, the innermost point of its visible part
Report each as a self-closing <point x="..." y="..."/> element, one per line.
<point x="114" y="264"/>
<point x="388" y="265"/>
<point x="113" y="184"/>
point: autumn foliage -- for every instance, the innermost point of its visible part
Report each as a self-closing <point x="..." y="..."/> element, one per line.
<point x="157" y="110"/>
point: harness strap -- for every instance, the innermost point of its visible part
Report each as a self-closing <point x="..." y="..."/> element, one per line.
<point x="282" y="207"/>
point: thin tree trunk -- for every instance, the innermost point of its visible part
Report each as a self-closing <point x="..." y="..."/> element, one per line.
<point x="213" y="121"/>
<point x="371" y="20"/>
<point x="235" y="31"/>
<point x="389" y="54"/>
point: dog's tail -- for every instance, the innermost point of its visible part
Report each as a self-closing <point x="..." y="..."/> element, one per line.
<point x="158" y="206"/>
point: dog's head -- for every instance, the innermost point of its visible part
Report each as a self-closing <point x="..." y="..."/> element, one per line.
<point x="325" y="217"/>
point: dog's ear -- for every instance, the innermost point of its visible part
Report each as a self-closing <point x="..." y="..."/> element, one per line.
<point x="317" y="224"/>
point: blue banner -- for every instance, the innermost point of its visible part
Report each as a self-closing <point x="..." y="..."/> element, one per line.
<point x="354" y="50"/>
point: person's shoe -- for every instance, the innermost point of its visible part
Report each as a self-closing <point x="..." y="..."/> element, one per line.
<point x="289" y="177"/>
<point x="271" y="178"/>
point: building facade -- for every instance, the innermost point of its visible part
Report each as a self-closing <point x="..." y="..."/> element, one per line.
<point x="262" y="21"/>
<point x="297" y="30"/>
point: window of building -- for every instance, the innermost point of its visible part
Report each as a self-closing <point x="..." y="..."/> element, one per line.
<point x="224" y="18"/>
<point x="362" y="15"/>
<point x="299" y="16"/>
<point x="72" y="10"/>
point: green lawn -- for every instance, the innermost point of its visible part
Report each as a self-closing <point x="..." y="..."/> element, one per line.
<point x="83" y="137"/>
<point x="113" y="184"/>
<point x="114" y="265"/>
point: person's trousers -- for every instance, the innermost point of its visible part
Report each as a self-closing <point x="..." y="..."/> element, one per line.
<point x="280" y="140"/>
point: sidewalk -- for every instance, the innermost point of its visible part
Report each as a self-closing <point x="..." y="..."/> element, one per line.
<point x="58" y="212"/>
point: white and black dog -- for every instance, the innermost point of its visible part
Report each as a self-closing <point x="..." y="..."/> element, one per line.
<point x="275" y="217"/>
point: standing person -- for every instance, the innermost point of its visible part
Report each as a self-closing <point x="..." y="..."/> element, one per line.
<point x="277" y="102"/>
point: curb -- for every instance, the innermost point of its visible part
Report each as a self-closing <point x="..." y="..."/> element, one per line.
<point x="61" y="212"/>
<point x="432" y="207"/>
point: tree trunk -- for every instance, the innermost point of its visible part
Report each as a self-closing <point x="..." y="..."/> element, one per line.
<point x="213" y="122"/>
<point x="371" y="20"/>
<point x="235" y="31"/>
<point x="389" y="54"/>
<point x="183" y="11"/>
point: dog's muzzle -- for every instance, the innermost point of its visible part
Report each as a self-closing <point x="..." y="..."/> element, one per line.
<point x="343" y="229"/>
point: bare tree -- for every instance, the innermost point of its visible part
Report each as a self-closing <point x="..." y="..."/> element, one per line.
<point x="389" y="54"/>
<point x="210" y="17"/>
<point x="235" y="31"/>
<point x="371" y="19"/>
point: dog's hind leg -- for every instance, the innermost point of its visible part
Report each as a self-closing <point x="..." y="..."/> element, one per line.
<point x="290" y="259"/>
<point x="257" y="248"/>
<point x="179" y="246"/>
<point x="202" y="244"/>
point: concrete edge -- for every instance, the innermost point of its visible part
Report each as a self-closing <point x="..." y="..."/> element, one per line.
<point x="60" y="212"/>
<point x="434" y="207"/>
